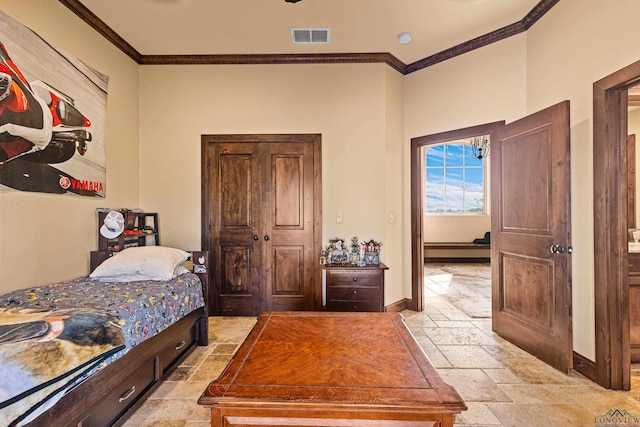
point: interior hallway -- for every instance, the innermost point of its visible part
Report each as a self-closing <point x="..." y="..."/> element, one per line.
<point x="501" y="384"/>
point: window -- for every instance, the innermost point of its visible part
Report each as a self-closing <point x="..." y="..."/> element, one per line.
<point x="455" y="180"/>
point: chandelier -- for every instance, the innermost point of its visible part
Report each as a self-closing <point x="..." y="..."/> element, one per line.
<point x="480" y="147"/>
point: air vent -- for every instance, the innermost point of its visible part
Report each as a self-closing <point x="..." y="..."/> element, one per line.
<point x="311" y="35"/>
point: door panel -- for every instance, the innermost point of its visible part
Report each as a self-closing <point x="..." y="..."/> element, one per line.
<point x="288" y="191"/>
<point x="235" y="190"/>
<point x="531" y="183"/>
<point x="528" y="298"/>
<point x="288" y="277"/>
<point x="530" y="224"/>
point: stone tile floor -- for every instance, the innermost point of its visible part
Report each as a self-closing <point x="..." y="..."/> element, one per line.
<point x="501" y="384"/>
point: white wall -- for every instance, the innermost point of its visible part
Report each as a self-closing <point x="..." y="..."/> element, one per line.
<point x="46" y="238"/>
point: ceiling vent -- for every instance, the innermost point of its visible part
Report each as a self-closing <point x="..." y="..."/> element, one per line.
<point x="311" y="35"/>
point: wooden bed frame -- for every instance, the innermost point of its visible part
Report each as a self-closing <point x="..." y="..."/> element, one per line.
<point x="112" y="394"/>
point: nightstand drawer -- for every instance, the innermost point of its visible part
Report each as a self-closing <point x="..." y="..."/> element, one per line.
<point x="353" y="293"/>
<point x="354" y="306"/>
<point x="355" y="277"/>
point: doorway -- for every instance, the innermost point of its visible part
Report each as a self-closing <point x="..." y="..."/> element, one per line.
<point x="611" y="259"/>
<point x="530" y="227"/>
<point x="418" y="201"/>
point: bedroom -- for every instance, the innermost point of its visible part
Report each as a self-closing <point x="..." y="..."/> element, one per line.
<point x="154" y="162"/>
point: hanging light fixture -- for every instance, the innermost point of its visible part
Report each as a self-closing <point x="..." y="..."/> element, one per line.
<point x="480" y="147"/>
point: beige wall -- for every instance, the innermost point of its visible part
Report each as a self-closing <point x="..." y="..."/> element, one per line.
<point x="483" y="86"/>
<point x="357" y="108"/>
<point x="576" y="44"/>
<point x="46" y="238"/>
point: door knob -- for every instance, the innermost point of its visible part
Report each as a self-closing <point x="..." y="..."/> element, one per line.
<point x="557" y="249"/>
<point x="255" y="237"/>
<point x="266" y="237"/>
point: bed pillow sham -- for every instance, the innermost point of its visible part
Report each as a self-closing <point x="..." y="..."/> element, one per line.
<point x="141" y="263"/>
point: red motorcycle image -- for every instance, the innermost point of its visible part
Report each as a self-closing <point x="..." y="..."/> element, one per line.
<point x="38" y="125"/>
<point x="37" y="121"/>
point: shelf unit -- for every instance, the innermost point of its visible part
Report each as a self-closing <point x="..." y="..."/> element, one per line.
<point x="145" y="222"/>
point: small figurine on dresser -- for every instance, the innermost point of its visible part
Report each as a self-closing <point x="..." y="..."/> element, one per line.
<point x="354" y="251"/>
<point x="338" y="253"/>
<point x="371" y="252"/>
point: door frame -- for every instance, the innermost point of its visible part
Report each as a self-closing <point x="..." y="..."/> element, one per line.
<point x="205" y="187"/>
<point x="611" y="285"/>
<point x="417" y="202"/>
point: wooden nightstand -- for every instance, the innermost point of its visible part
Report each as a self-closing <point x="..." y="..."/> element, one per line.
<point x="352" y="288"/>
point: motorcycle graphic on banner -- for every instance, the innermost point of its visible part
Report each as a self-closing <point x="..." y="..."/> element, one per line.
<point x="52" y="117"/>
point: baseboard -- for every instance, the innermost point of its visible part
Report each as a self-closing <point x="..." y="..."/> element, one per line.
<point x="584" y="366"/>
<point x="398" y="306"/>
<point x="441" y="260"/>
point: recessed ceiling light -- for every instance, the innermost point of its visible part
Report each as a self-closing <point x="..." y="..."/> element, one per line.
<point x="404" y="38"/>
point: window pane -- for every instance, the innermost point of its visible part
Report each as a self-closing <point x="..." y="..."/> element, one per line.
<point x="455" y="155"/>
<point x="454" y="202"/>
<point x="435" y="179"/>
<point x="435" y="156"/>
<point x="473" y="179"/>
<point x="469" y="158"/>
<point x="454" y="180"/>
<point x="435" y="202"/>
<point x="474" y="202"/>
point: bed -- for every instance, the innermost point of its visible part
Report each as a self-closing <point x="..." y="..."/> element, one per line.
<point x="86" y="351"/>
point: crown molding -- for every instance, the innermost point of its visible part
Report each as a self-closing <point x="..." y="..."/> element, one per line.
<point x="541" y="8"/>
<point x="505" y="32"/>
<point x="297" y="58"/>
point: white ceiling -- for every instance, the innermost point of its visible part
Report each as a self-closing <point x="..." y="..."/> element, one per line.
<point x="227" y="27"/>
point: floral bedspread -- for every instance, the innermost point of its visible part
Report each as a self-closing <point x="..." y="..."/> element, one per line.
<point x="71" y="329"/>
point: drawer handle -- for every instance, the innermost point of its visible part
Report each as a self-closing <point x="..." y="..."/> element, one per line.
<point x="127" y="394"/>
<point x="180" y="344"/>
<point x="355" y="307"/>
<point x="355" y="292"/>
<point x="355" y="279"/>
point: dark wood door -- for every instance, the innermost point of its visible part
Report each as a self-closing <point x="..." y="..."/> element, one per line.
<point x="288" y="252"/>
<point x="530" y="242"/>
<point x="261" y="208"/>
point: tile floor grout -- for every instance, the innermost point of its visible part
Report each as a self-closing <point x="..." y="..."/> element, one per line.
<point x="501" y="384"/>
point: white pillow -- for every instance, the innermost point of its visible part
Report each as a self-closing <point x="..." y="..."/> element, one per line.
<point x="141" y="263"/>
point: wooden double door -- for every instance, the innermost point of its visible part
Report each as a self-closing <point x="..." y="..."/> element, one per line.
<point x="261" y="222"/>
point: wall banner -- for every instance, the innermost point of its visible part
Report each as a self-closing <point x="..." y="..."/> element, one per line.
<point x="52" y="117"/>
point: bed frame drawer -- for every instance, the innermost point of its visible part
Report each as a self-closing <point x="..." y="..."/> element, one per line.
<point x="177" y="343"/>
<point x="121" y="397"/>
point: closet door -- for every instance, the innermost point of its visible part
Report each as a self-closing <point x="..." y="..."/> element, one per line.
<point x="288" y="226"/>
<point x="235" y="244"/>
<point x="261" y="216"/>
